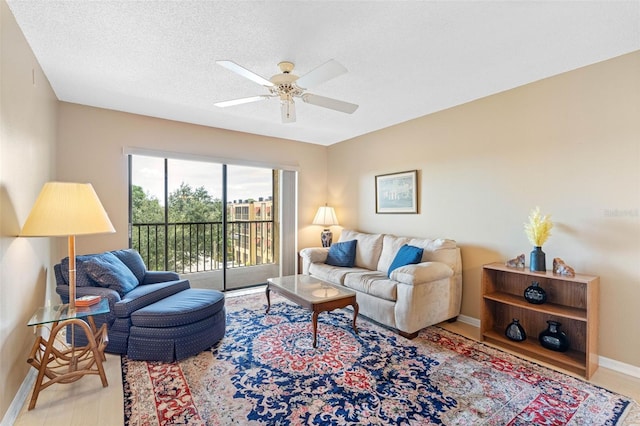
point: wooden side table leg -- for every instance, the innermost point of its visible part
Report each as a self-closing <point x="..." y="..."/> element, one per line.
<point x="98" y="358"/>
<point x="40" y="362"/>
<point x="67" y="365"/>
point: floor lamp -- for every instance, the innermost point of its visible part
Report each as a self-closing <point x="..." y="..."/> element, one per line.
<point x="65" y="209"/>
<point x="326" y="216"/>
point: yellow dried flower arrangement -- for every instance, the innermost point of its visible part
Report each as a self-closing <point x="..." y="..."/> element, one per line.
<point x="538" y="229"/>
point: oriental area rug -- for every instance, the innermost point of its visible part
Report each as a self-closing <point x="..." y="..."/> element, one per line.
<point x="266" y="372"/>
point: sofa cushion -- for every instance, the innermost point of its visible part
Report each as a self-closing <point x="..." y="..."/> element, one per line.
<point x="368" y="248"/>
<point x="342" y="254"/>
<point x="109" y="271"/>
<point x="186" y="307"/>
<point x="332" y="274"/>
<point x="390" y="246"/>
<point x="134" y="262"/>
<point x="407" y="255"/>
<point x="375" y="283"/>
<point x="82" y="278"/>
<point x="439" y="250"/>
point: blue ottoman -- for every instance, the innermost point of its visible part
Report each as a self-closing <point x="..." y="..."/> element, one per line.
<point x="177" y="326"/>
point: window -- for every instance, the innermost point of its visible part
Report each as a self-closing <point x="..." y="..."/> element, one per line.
<point x="181" y="211"/>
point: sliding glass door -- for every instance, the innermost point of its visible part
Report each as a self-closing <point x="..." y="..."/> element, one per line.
<point x="212" y="223"/>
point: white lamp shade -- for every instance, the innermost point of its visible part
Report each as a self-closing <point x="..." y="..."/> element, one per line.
<point x="326" y="216"/>
<point x="64" y="209"/>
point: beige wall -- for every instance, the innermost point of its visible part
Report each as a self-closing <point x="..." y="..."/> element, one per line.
<point x="27" y="150"/>
<point x="569" y="144"/>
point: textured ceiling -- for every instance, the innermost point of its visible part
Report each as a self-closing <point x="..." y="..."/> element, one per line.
<point x="405" y="59"/>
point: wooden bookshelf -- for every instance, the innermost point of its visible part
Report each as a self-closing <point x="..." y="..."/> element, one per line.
<point x="572" y="301"/>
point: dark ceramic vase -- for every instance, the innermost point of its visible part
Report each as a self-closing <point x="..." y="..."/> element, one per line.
<point x="537" y="260"/>
<point x="535" y="294"/>
<point x="515" y="332"/>
<point x="554" y="339"/>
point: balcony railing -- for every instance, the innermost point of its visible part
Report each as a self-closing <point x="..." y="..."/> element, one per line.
<point x="188" y="247"/>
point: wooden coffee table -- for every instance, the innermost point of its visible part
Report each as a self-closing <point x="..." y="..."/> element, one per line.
<point x="313" y="294"/>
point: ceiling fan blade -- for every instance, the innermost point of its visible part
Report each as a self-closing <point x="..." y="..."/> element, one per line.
<point x="230" y="65"/>
<point x="288" y="111"/>
<point x="241" y="101"/>
<point x="330" y="103"/>
<point x="324" y="72"/>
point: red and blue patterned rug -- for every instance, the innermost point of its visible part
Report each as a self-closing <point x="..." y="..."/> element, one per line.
<point x="265" y="371"/>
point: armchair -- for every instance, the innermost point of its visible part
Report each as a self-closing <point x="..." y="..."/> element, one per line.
<point x="122" y="278"/>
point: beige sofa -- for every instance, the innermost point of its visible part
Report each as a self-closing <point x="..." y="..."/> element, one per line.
<point x="413" y="296"/>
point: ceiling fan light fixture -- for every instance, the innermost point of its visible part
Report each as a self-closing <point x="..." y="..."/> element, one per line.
<point x="288" y="110"/>
<point x="287" y="86"/>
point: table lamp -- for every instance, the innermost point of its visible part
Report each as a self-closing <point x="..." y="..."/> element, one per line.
<point x="67" y="209"/>
<point x="326" y="217"/>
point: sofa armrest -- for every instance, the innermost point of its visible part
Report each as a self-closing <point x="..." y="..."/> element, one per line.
<point x="313" y="255"/>
<point x="421" y="273"/>
<point x="152" y="277"/>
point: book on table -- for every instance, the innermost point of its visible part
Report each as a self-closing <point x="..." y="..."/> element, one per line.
<point x="87" y="300"/>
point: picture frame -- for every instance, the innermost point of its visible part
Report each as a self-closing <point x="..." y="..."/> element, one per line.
<point x="397" y="192"/>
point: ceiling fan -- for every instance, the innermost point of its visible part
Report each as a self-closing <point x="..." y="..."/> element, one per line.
<point x="287" y="86"/>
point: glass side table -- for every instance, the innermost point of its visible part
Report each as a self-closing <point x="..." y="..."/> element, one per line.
<point x="60" y="362"/>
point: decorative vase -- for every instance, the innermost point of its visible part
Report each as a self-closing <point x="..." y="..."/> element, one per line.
<point x="554" y="339"/>
<point x="515" y="332"/>
<point x="535" y="294"/>
<point x="326" y="237"/>
<point x="537" y="260"/>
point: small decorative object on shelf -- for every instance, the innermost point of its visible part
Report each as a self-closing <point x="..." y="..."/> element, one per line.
<point x="517" y="262"/>
<point x="535" y="294"/>
<point x="561" y="268"/>
<point x="515" y="332"/>
<point x="554" y="339"/>
<point x="538" y="231"/>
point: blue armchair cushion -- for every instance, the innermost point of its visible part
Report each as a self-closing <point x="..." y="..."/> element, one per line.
<point x="342" y="254"/>
<point x="109" y="271"/>
<point x="151" y="277"/>
<point x="134" y="262"/>
<point x="144" y="295"/>
<point x="407" y="255"/>
<point x="82" y="278"/>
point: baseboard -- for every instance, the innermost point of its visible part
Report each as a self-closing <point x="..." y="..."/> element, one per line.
<point x="20" y="399"/>
<point x="620" y="367"/>
<point x="611" y="364"/>
<point x="469" y="320"/>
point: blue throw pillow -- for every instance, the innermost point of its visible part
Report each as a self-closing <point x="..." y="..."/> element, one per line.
<point x="407" y="255"/>
<point x="82" y="278"/>
<point x="134" y="262"/>
<point x="342" y="254"/>
<point x="109" y="271"/>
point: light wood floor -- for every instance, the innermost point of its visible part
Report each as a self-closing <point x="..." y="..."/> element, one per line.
<point x="87" y="402"/>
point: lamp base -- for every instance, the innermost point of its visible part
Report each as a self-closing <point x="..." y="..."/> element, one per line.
<point x="326" y="237"/>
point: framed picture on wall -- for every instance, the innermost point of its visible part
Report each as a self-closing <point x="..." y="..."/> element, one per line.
<point x="397" y="192"/>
